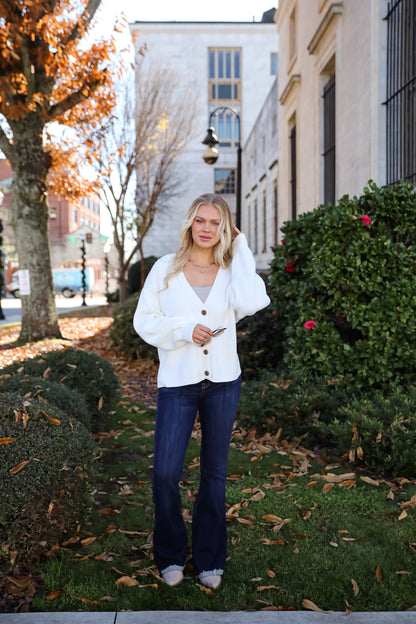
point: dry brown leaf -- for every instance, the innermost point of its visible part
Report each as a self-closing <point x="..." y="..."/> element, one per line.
<point x="327" y="487"/>
<point x="100" y="402"/>
<point x="311" y="484"/>
<point x="129" y="581"/>
<point x="53" y="421"/>
<point x="87" y="600"/>
<point x="360" y="452"/>
<point x="403" y="515"/>
<point x="53" y="595"/>
<point x="379" y="576"/>
<point x="334" y="478"/>
<point x="355" y="587"/>
<point x="19" y="467"/>
<point x="265" y="587"/>
<point x="207" y="590"/>
<point x="268" y="542"/>
<point x="6" y="440"/>
<point x="88" y="540"/>
<point x="71" y="540"/>
<point x="370" y="481"/>
<point x="334" y="544"/>
<point x="271" y="518"/>
<point x="308" y="604"/>
<point x="349" y="539"/>
<point x="271" y="574"/>
<point x="46" y="373"/>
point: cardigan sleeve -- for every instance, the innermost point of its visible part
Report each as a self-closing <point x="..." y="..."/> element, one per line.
<point x="159" y="330"/>
<point x="247" y="289"/>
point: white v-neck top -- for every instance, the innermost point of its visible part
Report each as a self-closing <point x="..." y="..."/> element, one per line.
<point x="202" y="292"/>
<point x="166" y="317"/>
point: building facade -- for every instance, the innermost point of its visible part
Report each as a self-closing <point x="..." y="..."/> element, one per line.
<point x="331" y="100"/>
<point x="259" y="219"/>
<point x="223" y="64"/>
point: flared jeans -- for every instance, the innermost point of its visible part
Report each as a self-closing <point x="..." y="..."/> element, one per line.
<point x="176" y="413"/>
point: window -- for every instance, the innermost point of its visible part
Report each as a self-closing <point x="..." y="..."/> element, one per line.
<point x="225" y="89"/>
<point x="225" y="181"/>
<point x="264" y="222"/>
<point x="256" y="228"/>
<point x="75" y="216"/>
<point x="276" y="222"/>
<point x="292" y="139"/>
<point x="329" y="141"/>
<point x="401" y="91"/>
<point x="273" y="64"/>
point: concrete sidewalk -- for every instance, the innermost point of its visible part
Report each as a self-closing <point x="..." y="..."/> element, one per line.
<point x="211" y="617"/>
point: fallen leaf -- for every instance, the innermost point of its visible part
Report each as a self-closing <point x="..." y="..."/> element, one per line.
<point x="327" y="487"/>
<point x="129" y="581"/>
<point x="403" y="515"/>
<point x="308" y="604"/>
<point x="265" y="587"/>
<point x="88" y="540"/>
<point x="6" y="440"/>
<point x="271" y="574"/>
<point x="334" y="544"/>
<point x="355" y="587"/>
<point x="271" y="518"/>
<point x="53" y="595"/>
<point x="19" y="467"/>
<point x="379" y="576"/>
<point x="370" y="481"/>
<point x="207" y="590"/>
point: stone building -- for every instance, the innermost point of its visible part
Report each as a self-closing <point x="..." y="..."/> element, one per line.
<point x="231" y="64"/>
<point x="346" y="99"/>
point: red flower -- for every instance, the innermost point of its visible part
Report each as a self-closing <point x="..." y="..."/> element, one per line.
<point x="309" y="324"/>
<point x="366" y="219"/>
<point x="283" y="241"/>
<point x="289" y="267"/>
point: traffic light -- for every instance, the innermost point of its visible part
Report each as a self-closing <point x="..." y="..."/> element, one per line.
<point x="88" y="237"/>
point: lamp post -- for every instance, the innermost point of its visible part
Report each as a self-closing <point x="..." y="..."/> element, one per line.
<point x="211" y="153"/>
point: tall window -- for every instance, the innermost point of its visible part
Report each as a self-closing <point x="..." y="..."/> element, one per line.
<point x="273" y="64"/>
<point x="264" y="222"/>
<point x="292" y="139"/>
<point x="225" y="181"/>
<point x="292" y="36"/>
<point x="256" y="228"/>
<point x="329" y="141"/>
<point x="225" y="89"/>
<point x="276" y="224"/>
<point x="401" y="91"/>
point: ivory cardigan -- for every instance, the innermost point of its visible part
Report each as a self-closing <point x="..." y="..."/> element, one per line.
<point x="166" y="317"/>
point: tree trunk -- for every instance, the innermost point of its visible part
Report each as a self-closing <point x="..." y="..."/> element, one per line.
<point x="30" y="221"/>
<point x="142" y="267"/>
<point x="122" y="281"/>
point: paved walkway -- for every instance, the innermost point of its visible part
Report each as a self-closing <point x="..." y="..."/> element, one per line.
<point x="212" y="617"/>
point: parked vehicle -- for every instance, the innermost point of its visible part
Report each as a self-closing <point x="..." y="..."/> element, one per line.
<point x="67" y="282"/>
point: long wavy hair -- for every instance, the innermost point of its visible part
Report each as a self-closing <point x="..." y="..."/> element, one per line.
<point x="222" y="249"/>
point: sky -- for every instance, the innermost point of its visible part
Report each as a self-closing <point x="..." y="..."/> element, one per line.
<point x="186" y="10"/>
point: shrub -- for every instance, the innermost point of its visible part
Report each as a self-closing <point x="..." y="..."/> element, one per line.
<point x="89" y="374"/>
<point x="49" y="392"/>
<point x="344" y="289"/>
<point x="259" y="341"/>
<point x="377" y="431"/>
<point x="44" y="454"/>
<point x="294" y="405"/>
<point x="123" y="334"/>
<point x="135" y="273"/>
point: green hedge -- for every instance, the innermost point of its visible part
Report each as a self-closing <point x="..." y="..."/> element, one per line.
<point x="345" y="284"/>
<point x="45" y="455"/>
<point x="370" y="429"/>
<point x="49" y="392"/>
<point x="123" y="334"/>
<point x="87" y="373"/>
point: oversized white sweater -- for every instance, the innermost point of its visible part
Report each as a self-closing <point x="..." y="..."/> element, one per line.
<point x="166" y="317"/>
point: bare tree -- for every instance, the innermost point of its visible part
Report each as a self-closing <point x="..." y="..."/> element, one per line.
<point x="138" y="150"/>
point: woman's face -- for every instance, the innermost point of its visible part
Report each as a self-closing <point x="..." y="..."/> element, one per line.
<point x="205" y="226"/>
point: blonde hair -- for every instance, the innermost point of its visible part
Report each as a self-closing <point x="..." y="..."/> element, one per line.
<point x="222" y="249"/>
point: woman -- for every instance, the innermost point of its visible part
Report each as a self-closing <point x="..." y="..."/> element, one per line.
<point x="188" y="309"/>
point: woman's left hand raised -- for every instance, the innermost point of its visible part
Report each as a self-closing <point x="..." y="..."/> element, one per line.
<point x="236" y="232"/>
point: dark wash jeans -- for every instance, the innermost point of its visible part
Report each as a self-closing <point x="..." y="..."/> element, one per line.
<point x="176" y="412"/>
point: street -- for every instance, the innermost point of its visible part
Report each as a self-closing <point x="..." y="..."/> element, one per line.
<point x="12" y="307"/>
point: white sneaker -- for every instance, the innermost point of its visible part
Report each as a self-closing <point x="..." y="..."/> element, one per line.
<point x="173" y="577"/>
<point x="213" y="581"/>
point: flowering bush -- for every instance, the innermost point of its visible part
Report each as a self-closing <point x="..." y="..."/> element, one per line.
<point x="355" y="277"/>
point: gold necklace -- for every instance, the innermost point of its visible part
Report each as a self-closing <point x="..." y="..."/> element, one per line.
<point x="199" y="266"/>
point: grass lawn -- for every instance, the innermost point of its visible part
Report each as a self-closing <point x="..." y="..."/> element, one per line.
<point x="302" y="533"/>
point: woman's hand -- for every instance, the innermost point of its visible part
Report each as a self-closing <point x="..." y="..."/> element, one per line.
<point x="201" y="334"/>
<point x="236" y="232"/>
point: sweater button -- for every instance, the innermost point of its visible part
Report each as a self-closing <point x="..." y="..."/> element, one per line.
<point x="205" y="351"/>
<point x="206" y="373"/>
<point x="204" y="312"/>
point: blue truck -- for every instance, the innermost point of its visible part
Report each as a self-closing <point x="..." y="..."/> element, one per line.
<point x="67" y="282"/>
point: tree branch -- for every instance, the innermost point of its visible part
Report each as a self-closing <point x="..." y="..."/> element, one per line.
<point x="70" y="102"/>
<point x="84" y="21"/>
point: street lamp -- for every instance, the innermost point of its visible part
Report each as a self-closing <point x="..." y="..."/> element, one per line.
<point x="211" y="153"/>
